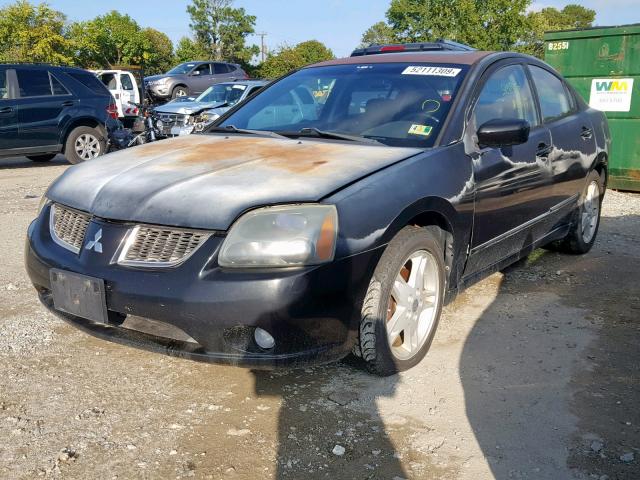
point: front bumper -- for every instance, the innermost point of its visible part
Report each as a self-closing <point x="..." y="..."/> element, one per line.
<point x="313" y="312"/>
<point x="161" y="91"/>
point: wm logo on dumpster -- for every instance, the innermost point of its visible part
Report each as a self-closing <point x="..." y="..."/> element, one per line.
<point x="612" y="86"/>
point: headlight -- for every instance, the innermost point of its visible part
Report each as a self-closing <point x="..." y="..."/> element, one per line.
<point x="282" y="236"/>
<point x="43" y="202"/>
<point x="158" y="82"/>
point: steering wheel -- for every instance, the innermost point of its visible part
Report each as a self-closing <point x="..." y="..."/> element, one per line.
<point x="419" y="117"/>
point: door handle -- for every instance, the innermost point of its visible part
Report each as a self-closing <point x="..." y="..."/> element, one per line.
<point x="586" y="133"/>
<point x="6" y="110"/>
<point x="543" y="150"/>
<point x="67" y="103"/>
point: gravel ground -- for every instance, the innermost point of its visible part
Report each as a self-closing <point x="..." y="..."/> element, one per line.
<point x="534" y="374"/>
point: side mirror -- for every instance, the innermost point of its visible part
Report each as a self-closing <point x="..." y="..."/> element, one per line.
<point x="195" y="73"/>
<point x="503" y="133"/>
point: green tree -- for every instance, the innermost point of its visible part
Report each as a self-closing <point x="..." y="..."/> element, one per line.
<point x="288" y="58"/>
<point x="378" y="33"/>
<point x="157" y="51"/>
<point x="549" y="19"/>
<point x="189" y="50"/>
<point x="116" y="39"/>
<point x="222" y="30"/>
<point x="33" y="33"/>
<point x="484" y="24"/>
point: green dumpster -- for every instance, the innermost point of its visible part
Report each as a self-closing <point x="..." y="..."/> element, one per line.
<point x="603" y="64"/>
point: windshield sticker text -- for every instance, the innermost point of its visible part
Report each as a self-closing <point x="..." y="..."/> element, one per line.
<point x="433" y="71"/>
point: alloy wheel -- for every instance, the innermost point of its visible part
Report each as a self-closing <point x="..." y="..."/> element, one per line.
<point x="87" y="146"/>
<point x="590" y="212"/>
<point x="413" y="304"/>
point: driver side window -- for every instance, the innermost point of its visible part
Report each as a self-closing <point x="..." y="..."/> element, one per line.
<point x="204" y="69"/>
<point x="506" y="95"/>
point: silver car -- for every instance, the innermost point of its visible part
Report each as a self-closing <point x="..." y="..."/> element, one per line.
<point x="191" y="78"/>
<point x="182" y="115"/>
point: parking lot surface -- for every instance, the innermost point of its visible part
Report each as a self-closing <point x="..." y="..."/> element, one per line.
<point x="534" y="374"/>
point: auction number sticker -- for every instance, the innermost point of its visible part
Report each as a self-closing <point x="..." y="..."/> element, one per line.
<point x="432" y="71"/>
<point x="611" y="94"/>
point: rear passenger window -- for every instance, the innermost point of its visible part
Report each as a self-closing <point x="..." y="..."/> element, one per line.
<point x="506" y="95"/>
<point x="219" y="68"/>
<point x="554" y="98"/>
<point x="4" y="91"/>
<point x="56" y="87"/>
<point x="90" y="81"/>
<point x="34" y="83"/>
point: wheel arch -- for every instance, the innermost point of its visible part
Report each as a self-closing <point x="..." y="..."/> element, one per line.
<point x="601" y="165"/>
<point x="438" y="212"/>
<point x="81" y="122"/>
<point x="177" y="85"/>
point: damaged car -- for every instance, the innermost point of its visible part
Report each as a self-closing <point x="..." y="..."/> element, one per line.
<point x="294" y="233"/>
<point x="185" y="115"/>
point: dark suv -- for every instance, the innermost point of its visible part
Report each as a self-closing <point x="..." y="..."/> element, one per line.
<point x="191" y="78"/>
<point x="46" y="110"/>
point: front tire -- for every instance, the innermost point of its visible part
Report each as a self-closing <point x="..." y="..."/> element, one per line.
<point x="41" y="158"/>
<point x="403" y="303"/>
<point x="586" y="221"/>
<point x="84" y="143"/>
<point x="179" y="92"/>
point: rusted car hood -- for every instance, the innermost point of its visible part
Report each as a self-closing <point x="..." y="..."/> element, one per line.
<point x="206" y="181"/>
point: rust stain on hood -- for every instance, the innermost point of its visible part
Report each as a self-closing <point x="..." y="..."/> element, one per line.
<point x="206" y="181"/>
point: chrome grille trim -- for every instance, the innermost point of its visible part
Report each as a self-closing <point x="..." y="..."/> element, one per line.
<point x="154" y="246"/>
<point x="68" y="227"/>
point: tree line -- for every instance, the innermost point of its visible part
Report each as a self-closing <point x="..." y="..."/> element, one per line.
<point x="220" y="31"/>
<point x="483" y="24"/>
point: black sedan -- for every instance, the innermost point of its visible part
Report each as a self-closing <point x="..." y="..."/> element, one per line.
<point x="334" y="212"/>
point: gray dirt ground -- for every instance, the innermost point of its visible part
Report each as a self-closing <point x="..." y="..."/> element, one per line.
<point x="534" y="374"/>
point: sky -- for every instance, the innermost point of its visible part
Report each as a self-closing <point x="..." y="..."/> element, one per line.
<point x="339" y="24"/>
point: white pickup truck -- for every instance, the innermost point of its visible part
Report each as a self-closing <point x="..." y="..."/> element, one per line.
<point x="124" y="89"/>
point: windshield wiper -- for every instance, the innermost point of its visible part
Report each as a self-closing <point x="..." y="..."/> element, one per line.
<point x="234" y="129"/>
<point x="315" y="132"/>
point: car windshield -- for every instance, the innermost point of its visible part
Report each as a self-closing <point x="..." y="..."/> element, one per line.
<point x="223" y="93"/>
<point x="182" y="68"/>
<point x="397" y="104"/>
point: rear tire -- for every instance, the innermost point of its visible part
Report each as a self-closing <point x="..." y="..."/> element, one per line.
<point x="42" y="158"/>
<point x="586" y="221"/>
<point x="84" y="143"/>
<point x="179" y="92"/>
<point x="396" y="333"/>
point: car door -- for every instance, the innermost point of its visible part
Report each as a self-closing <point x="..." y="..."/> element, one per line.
<point x="574" y="144"/>
<point x="111" y="80"/>
<point x="8" y="112"/>
<point x="201" y="79"/>
<point x="512" y="183"/>
<point x="41" y="102"/>
<point x="129" y="93"/>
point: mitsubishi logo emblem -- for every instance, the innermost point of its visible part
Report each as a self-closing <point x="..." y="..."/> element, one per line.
<point x="95" y="244"/>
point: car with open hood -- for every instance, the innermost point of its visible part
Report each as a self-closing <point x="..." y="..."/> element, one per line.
<point x="296" y="233"/>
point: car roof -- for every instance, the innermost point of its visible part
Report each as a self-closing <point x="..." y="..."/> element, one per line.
<point x="446" y="56"/>
<point x="43" y="65"/>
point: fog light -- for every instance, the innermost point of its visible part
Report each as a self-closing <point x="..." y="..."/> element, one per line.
<point x="263" y="339"/>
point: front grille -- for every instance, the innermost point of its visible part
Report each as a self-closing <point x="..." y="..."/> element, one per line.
<point x="68" y="227"/>
<point x="171" y="120"/>
<point x="160" y="247"/>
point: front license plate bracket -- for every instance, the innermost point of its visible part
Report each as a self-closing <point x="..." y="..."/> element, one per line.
<point x="79" y="295"/>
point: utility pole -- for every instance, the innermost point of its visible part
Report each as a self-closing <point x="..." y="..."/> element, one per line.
<point x="263" y="49"/>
